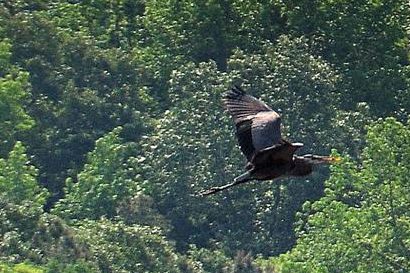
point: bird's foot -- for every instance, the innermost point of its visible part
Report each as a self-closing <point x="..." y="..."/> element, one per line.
<point x="209" y="191"/>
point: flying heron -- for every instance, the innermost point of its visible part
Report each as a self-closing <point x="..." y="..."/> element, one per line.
<point x="258" y="131"/>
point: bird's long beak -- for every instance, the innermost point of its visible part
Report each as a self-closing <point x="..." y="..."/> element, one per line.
<point x="320" y="159"/>
<point x="331" y="159"/>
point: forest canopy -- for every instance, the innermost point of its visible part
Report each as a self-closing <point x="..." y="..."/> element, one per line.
<point x="111" y="120"/>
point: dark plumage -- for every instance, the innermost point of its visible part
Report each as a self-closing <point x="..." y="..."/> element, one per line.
<point x="258" y="131"/>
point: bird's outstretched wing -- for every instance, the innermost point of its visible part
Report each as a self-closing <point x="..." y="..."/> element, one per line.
<point x="257" y="125"/>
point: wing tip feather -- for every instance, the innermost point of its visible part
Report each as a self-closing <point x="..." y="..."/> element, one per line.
<point x="235" y="93"/>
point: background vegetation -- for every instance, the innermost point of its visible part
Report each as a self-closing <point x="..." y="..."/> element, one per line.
<point x="111" y="120"/>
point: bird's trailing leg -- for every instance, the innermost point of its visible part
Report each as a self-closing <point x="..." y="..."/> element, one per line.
<point x="238" y="180"/>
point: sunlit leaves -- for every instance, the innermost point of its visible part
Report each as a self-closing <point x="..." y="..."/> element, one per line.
<point x="20" y="268"/>
<point x="210" y="30"/>
<point x="18" y="179"/>
<point x="365" y="39"/>
<point x="361" y="223"/>
<point x="302" y="87"/>
<point x="114" y="245"/>
<point x="80" y="87"/>
<point x="305" y="90"/>
<point x="72" y="71"/>
<point x="103" y="183"/>
<point x="186" y="153"/>
<point x="14" y="94"/>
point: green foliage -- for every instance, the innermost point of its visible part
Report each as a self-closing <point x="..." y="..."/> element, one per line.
<point x="18" y="179"/>
<point x="339" y="232"/>
<point x="5" y="54"/>
<point x="208" y="260"/>
<point x="141" y="209"/>
<point x="113" y="23"/>
<point x="78" y="267"/>
<point x="20" y="268"/>
<point x="14" y="87"/>
<point x="118" y="104"/>
<point x="54" y="240"/>
<point x="243" y="263"/>
<point x="25" y="232"/>
<point x="29" y="235"/>
<point x="185" y="134"/>
<point x="199" y="43"/>
<point x="17" y="226"/>
<point x="13" y="115"/>
<point x="113" y="245"/>
<point x="290" y="76"/>
<point x="80" y="91"/>
<point x="103" y="184"/>
<point x="367" y="39"/>
<point x="210" y="30"/>
<point x="305" y="83"/>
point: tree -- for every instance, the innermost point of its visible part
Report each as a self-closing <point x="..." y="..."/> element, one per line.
<point x="118" y="103"/>
<point x="14" y="93"/>
<point x="338" y="232"/>
<point x="202" y="31"/>
<point x="20" y="268"/>
<point x="243" y="263"/>
<point x="366" y="39"/>
<point x="289" y="77"/>
<point x="78" y="267"/>
<point x="120" y="248"/>
<point x="208" y="260"/>
<point x="305" y="90"/>
<point x="184" y="134"/>
<point x="18" y="179"/>
<point x="79" y="90"/>
<point x="105" y="182"/>
<point x="26" y="233"/>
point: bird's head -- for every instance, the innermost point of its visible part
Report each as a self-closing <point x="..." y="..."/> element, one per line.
<point x="319" y="159"/>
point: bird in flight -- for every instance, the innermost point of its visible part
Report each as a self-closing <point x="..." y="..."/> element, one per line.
<point x="258" y="131"/>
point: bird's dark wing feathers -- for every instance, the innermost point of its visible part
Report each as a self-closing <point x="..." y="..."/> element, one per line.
<point x="257" y="125"/>
<point x="265" y="130"/>
<point x="244" y="135"/>
<point x="242" y="106"/>
<point x="276" y="154"/>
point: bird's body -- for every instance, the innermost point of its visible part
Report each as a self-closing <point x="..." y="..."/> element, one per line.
<point x="258" y="131"/>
